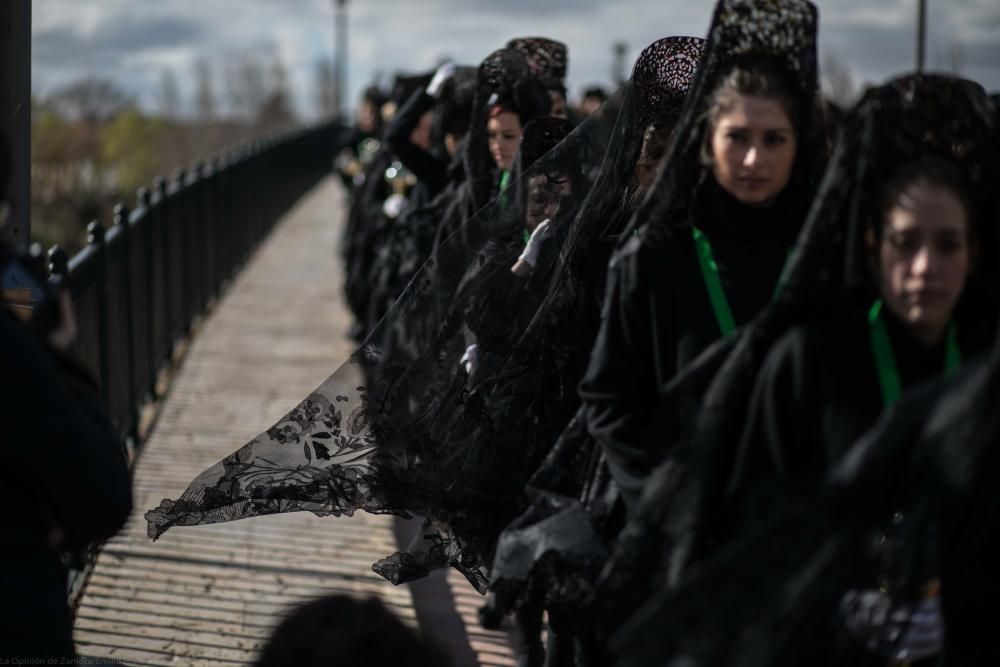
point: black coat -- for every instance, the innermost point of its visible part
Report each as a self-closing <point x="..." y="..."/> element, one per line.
<point x="430" y="169"/>
<point x="658" y="318"/>
<point x="65" y="473"/>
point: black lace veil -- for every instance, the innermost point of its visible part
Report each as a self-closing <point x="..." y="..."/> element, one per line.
<point x="548" y="59"/>
<point x="415" y="425"/>
<point x="780" y="33"/>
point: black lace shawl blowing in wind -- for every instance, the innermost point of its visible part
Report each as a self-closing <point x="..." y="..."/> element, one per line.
<point x="761" y="600"/>
<point x="506" y="397"/>
<point x="419" y="434"/>
<point x="550" y="550"/>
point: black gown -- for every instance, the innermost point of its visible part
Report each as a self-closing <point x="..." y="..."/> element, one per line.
<point x="658" y="317"/>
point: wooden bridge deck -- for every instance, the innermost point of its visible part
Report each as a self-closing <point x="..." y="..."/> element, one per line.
<point x="209" y="595"/>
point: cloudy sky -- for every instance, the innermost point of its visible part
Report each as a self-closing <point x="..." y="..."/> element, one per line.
<point x="134" y="41"/>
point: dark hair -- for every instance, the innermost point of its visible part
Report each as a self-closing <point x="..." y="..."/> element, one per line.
<point x="756" y="78"/>
<point x="340" y="630"/>
<point x="374" y="96"/>
<point x="596" y="93"/>
<point x="655" y="141"/>
<point x="457" y="97"/>
<point x="527" y="98"/>
<point x="935" y="170"/>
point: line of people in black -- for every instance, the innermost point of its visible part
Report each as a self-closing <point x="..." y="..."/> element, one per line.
<point x="704" y="378"/>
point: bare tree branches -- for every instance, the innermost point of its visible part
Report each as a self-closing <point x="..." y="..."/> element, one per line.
<point x="91" y="100"/>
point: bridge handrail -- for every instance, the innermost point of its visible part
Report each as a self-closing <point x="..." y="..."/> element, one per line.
<point x="140" y="283"/>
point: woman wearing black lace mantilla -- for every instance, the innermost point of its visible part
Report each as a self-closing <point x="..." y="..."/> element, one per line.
<point x="712" y="240"/>
<point x="811" y="551"/>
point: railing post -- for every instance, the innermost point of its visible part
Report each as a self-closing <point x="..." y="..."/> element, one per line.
<point x="210" y="221"/>
<point x="95" y="239"/>
<point x="121" y="220"/>
<point x="219" y="212"/>
<point x="164" y="205"/>
<point x="176" y="223"/>
<point x="58" y="264"/>
<point x="140" y="230"/>
<point x="196" y="208"/>
<point x="160" y="276"/>
<point x="153" y="300"/>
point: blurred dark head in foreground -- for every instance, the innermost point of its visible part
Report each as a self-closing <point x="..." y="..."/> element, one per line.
<point x="340" y="630"/>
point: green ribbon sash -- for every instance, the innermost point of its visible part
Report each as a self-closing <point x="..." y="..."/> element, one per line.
<point x="710" y="273"/>
<point x="885" y="360"/>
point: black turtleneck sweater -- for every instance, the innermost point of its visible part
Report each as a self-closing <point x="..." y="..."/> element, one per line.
<point x="658" y="317"/>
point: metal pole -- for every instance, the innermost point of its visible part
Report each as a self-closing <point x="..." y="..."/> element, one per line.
<point x="618" y="73"/>
<point x="15" y="116"/>
<point x="921" y="34"/>
<point x="340" y="56"/>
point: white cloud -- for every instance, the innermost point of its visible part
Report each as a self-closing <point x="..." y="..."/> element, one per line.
<point x="131" y="41"/>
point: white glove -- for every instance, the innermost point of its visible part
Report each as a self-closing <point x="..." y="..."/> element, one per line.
<point x="526" y="262"/>
<point x="470" y="360"/>
<point x="924" y="636"/>
<point x="394" y="205"/>
<point x="441" y="76"/>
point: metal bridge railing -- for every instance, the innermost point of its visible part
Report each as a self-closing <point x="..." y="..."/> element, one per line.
<point x="139" y="283"/>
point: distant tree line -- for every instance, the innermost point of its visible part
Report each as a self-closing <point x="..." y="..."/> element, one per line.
<point x="94" y="145"/>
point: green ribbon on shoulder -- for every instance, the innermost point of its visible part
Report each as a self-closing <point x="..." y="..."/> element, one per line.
<point x="885" y="360"/>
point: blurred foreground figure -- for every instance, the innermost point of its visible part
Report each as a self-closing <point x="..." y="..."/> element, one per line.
<point x="339" y="630"/>
<point x="66" y="480"/>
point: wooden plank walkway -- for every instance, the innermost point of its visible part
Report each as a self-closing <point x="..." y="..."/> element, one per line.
<point x="209" y="595"/>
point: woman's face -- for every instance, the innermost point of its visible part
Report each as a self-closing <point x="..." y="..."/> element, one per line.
<point x="589" y="105"/>
<point x="421" y="134"/>
<point x="367" y="117"/>
<point x="451" y="142"/>
<point x="545" y="193"/>
<point x="558" y="108"/>
<point x="504" y="131"/>
<point x="925" y="258"/>
<point x="753" y="148"/>
<point x="653" y="147"/>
